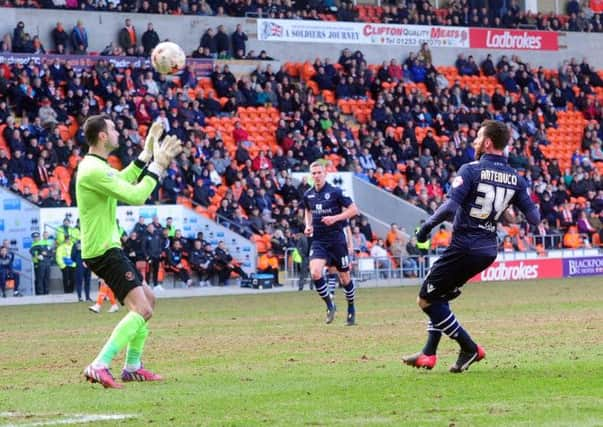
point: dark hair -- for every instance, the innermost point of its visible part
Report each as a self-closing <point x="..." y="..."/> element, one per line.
<point x="93" y="126"/>
<point x="497" y="132"/>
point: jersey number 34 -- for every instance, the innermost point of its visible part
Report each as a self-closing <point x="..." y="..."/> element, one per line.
<point x="494" y="199"/>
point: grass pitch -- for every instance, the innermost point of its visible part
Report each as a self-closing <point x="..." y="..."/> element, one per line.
<point x="269" y="360"/>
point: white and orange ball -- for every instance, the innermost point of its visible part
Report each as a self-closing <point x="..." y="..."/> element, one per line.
<point x="168" y="58"/>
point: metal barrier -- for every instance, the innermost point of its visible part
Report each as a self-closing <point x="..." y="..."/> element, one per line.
<point x="26" y="281"/>
<point x="362" y="268"/>
<point x="244" y="230"/>
<point x="53" y="230"/>
<point x="548" y="241"/>
<point x="371" y="268"/>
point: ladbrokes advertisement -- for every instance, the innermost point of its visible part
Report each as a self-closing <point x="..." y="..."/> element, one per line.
<point x="521" y="270"/>
<point x="492" y="38"/>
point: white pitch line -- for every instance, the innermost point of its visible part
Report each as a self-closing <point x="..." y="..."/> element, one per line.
<point x="75" y="419"/>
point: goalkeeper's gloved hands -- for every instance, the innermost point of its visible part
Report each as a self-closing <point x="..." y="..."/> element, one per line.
<point x="150" y="142"/>
<point x="423" y="234"/>
<point x="164" y="153"/>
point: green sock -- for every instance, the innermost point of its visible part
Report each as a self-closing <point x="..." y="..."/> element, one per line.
<point x="123" y="333"/>
<point x="135" y="348"/>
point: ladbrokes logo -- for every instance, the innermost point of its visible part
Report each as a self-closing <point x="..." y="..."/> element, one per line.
<point x="508" y="41"/>
<point x="488" y="38"/>
<point x="515" y="272"/>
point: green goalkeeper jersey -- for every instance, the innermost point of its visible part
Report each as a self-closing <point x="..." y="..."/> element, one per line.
<point x="98" y="188"/>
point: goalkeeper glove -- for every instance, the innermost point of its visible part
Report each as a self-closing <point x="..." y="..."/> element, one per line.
<point x="151" y="140"/>
<point x="164" y="154"/>
<point x="423" y="234"/>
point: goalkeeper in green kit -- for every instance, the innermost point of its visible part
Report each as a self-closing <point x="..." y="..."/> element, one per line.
<point x="98" y="188"/>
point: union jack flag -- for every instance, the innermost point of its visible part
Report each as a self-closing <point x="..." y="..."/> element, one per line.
<point x="270" y="29"/>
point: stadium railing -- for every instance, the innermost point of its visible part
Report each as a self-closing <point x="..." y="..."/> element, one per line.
<point x="26" y="281"/>
<point x="365" y="269"/>
<point x="416" y="267"/>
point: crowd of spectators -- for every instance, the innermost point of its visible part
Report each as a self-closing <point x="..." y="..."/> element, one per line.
<point x="39" y="104"/>
<point x="154" y="247"/>
<point x="214" y="43"/>
<point x="528" y="99"/>
<point x="497" y="14"/>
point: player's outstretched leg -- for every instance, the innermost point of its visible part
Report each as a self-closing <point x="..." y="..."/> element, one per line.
<point x="466" y="359"/>
<point x="427" y="357"/>
<point x="323" y="291"/>
<point x="350" y="294"/>
<point x="133" y="368"/>
<point x="123" y="333"/>
<point x="444" y="319"/>
<point x="101" y="375"/>
<point x="140" y="374"/>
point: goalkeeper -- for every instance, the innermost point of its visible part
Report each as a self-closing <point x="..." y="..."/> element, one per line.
<point x="98" y="189"/>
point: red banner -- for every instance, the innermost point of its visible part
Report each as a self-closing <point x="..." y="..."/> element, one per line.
<point x="596" y="6"/>
<point x="493" y="38"/>
<point x="521" y="270"/>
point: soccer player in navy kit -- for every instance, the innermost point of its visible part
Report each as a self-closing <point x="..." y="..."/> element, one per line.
<point x="326" y="212"/>
<point x="479" y="195"/>
<point x="332" y="276"/>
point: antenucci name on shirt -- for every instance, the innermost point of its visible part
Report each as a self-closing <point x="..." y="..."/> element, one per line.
<point x="500" y="177"/>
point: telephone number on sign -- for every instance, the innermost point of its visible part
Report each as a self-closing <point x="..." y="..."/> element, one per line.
<point x="413" y="42"/>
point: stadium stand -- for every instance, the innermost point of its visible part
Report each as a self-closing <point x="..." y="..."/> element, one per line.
<point x="404" y="125"/>
<point x="416" y="12"/>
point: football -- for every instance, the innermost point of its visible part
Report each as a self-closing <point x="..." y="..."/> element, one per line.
<point x="168" y="58"/>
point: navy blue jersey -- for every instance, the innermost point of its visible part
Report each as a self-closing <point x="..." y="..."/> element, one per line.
<point x="484" y="189"/>
<point x="328" y="201"/>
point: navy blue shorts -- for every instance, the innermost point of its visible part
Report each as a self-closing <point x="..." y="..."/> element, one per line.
<point x="450" y="272"/>
<point x="334" y="253"/>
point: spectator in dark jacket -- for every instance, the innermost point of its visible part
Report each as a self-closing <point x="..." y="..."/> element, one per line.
<point x="140" y="228"/>
<point x="19" y="38"/>
<point x="7" y="271"/>
<point x="208" y="40"/>
<point x="222" y="42"/>
<point x="134" y="248"/>
<point x="225" y="264"/>
<point x="153" y="246"/>
<point x="238" y="39"/>
<point x="16" y="165"/>
<point x="82" y="272"/>
<point x="201" y="263"/>
<point x="150" y="39"/>
<point x="175" y="262"/>
<point x="60" y="38"/>
<point x="202" y="193"/>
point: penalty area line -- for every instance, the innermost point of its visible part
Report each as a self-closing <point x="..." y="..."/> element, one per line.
<point x="69" y="419"/>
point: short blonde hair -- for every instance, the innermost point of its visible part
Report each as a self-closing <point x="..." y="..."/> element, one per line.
<point x="319" y="163"/>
